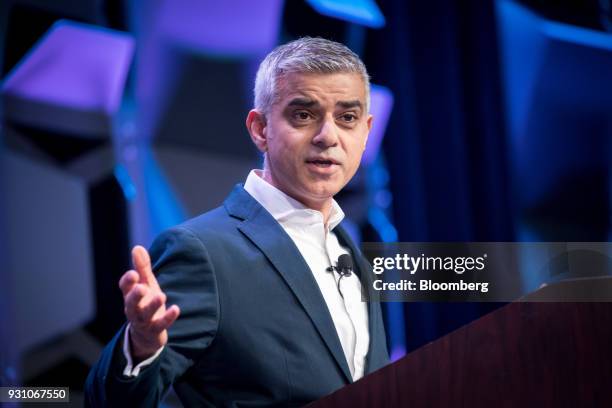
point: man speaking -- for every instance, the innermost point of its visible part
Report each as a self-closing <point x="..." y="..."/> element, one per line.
<point x="246" y="305"/>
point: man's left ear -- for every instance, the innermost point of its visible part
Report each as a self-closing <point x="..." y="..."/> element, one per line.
<point x="256" y="125"/>
<point x="369" y="123"/>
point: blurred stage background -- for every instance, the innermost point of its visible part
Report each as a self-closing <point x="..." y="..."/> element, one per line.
<point x="120" y="118"/>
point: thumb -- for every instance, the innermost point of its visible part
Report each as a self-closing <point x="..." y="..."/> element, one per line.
<point x="142" y="264"/>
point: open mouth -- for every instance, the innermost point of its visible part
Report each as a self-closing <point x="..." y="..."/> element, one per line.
<point x="322" y="166"/>
<point x="321" y="163"/>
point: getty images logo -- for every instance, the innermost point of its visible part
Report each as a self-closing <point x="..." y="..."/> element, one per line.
<point x="413" y="264"/>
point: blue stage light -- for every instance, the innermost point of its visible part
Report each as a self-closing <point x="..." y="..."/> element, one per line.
<point x="364" y="12"/>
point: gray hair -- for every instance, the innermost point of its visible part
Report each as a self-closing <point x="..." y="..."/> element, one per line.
<point x="306" y="55"/>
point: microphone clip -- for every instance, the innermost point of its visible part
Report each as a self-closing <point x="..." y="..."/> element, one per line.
<point x="346" y="271"/>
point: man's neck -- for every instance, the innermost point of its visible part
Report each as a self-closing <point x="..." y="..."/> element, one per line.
<point x="324" y="206"/>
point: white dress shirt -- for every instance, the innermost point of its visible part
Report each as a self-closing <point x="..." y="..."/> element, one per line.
<point x="320" y="248"/>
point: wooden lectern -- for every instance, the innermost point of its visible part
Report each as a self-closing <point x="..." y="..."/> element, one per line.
<point x="526" y="354"/>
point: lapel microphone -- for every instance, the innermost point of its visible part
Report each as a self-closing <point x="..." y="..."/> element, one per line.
<point x="344" y="266"/>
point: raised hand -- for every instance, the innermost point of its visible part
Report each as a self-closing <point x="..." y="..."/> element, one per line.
<point x="145" y="307"/>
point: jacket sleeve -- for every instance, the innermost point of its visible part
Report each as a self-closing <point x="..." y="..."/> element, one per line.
<point x="186" y="275"/>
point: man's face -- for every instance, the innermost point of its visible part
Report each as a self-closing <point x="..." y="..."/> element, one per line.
<point x="315" y="135"/>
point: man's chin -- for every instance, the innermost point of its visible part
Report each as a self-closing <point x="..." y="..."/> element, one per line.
<point x="324" y="192"/>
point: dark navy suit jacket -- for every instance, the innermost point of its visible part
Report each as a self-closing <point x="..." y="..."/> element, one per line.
<point x="254" y="328"/>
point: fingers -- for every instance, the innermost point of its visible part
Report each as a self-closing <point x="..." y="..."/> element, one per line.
<point x="144" y="307"/>
<point x="127" y="282"/>
<point x="142" y="264"/>
<point x="168" y="318"/>
<point x="150" y="307"/>
<point x="145" y="303"/>
<point x="141" y="303"/>
<point x="133" y="305"/>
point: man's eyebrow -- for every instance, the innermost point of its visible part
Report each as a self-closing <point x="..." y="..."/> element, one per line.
<point x="303" y="102"/>
<point x="350" y="104"/>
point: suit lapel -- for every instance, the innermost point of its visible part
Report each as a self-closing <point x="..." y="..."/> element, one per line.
<point x="363" y="271"/>
<point x="267" y="234"/>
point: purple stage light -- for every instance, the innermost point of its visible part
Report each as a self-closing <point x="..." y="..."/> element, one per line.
<point x="174" y="33"/>
<point x="381" y="101"/>
<point x="236" y="28"/>
<point x="71" y="81"/>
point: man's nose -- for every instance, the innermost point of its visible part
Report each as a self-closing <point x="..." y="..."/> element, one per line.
<point x="327" y="135"/>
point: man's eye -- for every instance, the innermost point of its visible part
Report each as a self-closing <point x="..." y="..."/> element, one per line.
<point x="302" y="115"/>
<point x="349" y="117"/>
